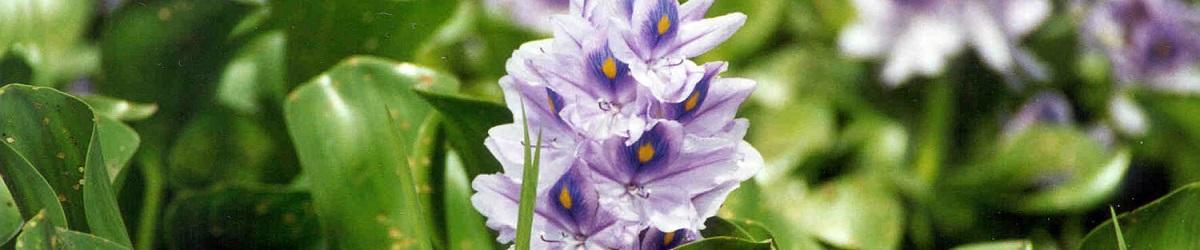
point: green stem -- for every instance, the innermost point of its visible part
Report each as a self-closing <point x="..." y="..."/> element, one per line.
<point x="151" y="166"/>
<point x="935" y="125"/>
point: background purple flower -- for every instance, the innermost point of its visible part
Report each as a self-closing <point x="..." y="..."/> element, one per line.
<point x="917" y="37"/>
<point x="1155" y="42"/>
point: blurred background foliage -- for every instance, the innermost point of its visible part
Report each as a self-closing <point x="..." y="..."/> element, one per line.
<point x="315" y="124"/>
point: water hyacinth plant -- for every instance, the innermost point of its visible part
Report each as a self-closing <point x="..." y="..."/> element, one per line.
<point x="639" y="143"/>
<point x="599" y="124"/>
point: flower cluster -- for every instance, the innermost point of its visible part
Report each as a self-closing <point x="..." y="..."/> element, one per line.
<point x="918" y="36"/>
<point x="640" y="145"/>
<point x="1154" y="42"/>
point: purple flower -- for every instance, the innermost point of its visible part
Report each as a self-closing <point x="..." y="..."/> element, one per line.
<point x="636" y="137"/>
<point x="658" y="37"/>
<point x="710" y="105"/>
<point x="653" y="239"/>
<point x="655" y="178"/>
<point x="1155" y="42"/>
<point x="566" y="216"/>
<point x="917" y="37"/>
<point x="1043" y="108"/>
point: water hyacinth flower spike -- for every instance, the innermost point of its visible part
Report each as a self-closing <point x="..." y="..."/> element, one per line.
<point x="640" y="146"/>
<point x="1153" y="42"/>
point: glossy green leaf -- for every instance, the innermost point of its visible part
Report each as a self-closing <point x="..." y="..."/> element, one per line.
<point x="120" y="110"/>
<point x="467" y="121"/>
<point x="856" y="211"/>
<point x="1046" y="169"/>
<point x="464" y="225"/>
<point x="153" y="54"/>
<point x="10" y="214"/>
<point x="15" y="68"/>
<point x="353" y="128"/>
<point x="725" y="242"/>
<point x="28" y="188"/>
<point x="716" y="226"/>
<point x="998" y="245"/>
<point x="249" y="218"/>
<point x="118" y="142"/>
<point x="323" y="32"/>
<point x="1171" y="222"/>
<point x="40" y="235"/>
<point x="741" y="229"/>
<point x="254" y="77"/>
<point x="47" y="32"/>
<point x="57" y="134"/>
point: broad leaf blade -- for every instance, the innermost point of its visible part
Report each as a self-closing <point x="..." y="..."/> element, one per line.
<point x="1167" y="223"/>
<point x="10" y="215"/>
<point x="354" y="127"/>
<point x="118" y="142"/>
<point x="464" y="225"/>
<point x="323" y="32"/>
<point x="29" y="189"/>
<point x="725" y="242"/>
<point x="39" y="235"/>
<point x="467" y="121"/>
<point x="57" y="134"/>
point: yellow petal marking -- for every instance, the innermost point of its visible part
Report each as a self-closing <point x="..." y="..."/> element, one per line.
<point x="691" y="102"/>
<point x="609" y="67"/>
<point x="664" y="24"/>
<point x="564" y="197"/>
<point x="668" y="237"/>
<point x="645" y="153"/>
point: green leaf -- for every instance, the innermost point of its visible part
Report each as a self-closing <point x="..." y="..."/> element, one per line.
<point x="153" y="54"/>
<point x="10" y="214"/>
<point x="323" y="32"/>
<point x="725" y="242"/>
<point x="29" y="189"/>
<point x="467" y="121"/>
<point x="120" y="110"/>
<point x="353" y="128"/>
<point x="1044" y="170"/>
<point x="118" y="142"/>
<point x="716" y="226"/>
<point x="529" y="181"/>
<point x="856" y="211"/>
<point x="998" y="245"/>
<point x="47" y="32"/>
<point x="464" y="225"/>
<point x="1167" y="223"/>
<point x="740" y="229"/>
<point x="57" y="134"/>
<point x="254" y="77"/>
<point x="240" y="217"/>
<point x="15" y="68"/>
<point x="40" y="235"/>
